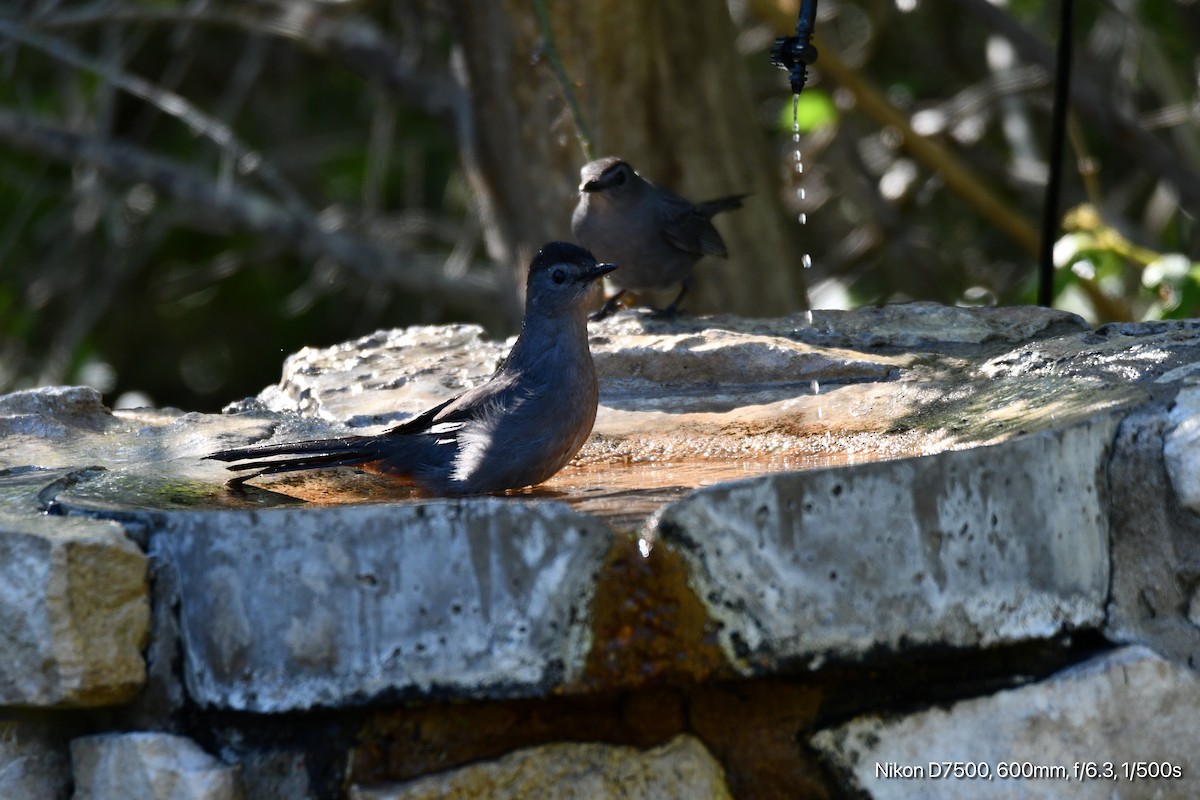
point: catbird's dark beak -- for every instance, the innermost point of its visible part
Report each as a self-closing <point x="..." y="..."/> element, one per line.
<point x="598" y="271"/>
<point x="590" y="186"/>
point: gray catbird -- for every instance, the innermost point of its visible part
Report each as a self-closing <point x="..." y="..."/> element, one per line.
<point x="517" y="429"/>
<point x="654" y="234"/>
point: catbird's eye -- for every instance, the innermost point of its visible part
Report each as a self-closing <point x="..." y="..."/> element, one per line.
<point x="558" y="276"/>
<point x="620" y="179"/>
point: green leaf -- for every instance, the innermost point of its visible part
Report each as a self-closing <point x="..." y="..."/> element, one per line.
<point x="815" y="109"/>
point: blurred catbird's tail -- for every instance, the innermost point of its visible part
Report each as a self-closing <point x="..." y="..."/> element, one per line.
<point x="709" y="208"/>
<point x="314" y="454"/>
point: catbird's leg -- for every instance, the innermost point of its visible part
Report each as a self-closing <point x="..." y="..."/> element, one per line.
<point x="673" y="309"/>
<point x="611" y="304"/>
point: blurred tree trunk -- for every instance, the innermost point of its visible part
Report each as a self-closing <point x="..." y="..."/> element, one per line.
<point x="660" y="84"/>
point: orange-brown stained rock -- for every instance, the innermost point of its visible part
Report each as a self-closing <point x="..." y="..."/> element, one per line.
<point x="648" y="626"/>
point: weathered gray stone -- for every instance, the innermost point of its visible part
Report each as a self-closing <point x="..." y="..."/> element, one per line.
<point x="39" y="409"/>
<point x="920" y="326"/>
<point x="681" y="768"/>
<point x="706" y="374"/>
<point x="1181" y="448"/>
<point x="74" y="612"/>
<point x="33" y="761"/>
<point x="1095" y="721"/>
<point x="644" y="364"/>
<point x="149" y="766"/>
<point x="1155" y="543"/>
<point x="1146" y="352"/>
<point x="971" y="548"/>
<point x="384" y="377"/>
<point x="295" y="608"/>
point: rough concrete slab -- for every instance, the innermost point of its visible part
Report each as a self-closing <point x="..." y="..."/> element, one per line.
<point x="681" y="768"/>
<point x="74" y="612"/>
<point x="1119" y="721"/>
<point x="968" y="548"/>
<point x="294" y="608"/>
<point x="149" y="766"/>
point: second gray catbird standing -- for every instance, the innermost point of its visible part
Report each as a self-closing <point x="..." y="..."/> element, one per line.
<point x="517" y="429"/>
<point x="654" y="234"/>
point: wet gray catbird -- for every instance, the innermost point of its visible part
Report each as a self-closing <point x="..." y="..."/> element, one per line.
<point x="517" y="429"/>
<point x="654" y="234"/>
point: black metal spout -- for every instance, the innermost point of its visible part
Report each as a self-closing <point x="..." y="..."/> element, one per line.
<point x="795" y="53"/>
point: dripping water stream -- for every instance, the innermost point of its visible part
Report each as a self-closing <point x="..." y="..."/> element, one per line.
<point x="802" y="218"/>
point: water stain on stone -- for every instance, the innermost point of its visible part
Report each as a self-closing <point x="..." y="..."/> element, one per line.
<point x="648" y="626"/>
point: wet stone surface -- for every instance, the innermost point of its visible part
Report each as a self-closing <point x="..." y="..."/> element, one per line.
<point x="687" y="403"/>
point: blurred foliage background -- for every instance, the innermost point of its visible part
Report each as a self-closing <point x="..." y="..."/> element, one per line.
<point x="191" y="190"/>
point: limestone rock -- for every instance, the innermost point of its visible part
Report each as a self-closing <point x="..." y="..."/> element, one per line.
<point x="33" y="761"/>
<point x="1102" y="720"/>
<point x="385" y="376"/>
<point x="726" y="358"/>
<point x="970" y="548"/>
<point x="33" y="409"/>
<point x="1181" y="448"/>
<point x="293" y="608"/>
<point x="74" y="612"/>
<point x="1155" y="539"/>
<point x="149" y="766"/>
<point x="681" y="768"/>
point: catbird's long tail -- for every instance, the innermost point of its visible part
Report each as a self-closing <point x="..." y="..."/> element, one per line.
<point x="709" y="208"/>
<point x="313" y="454"/>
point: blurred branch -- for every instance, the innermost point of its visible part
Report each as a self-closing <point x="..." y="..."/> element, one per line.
<point x="242" y="209"/>
<point x="352" y="41"/>
<point x="358" y="44"/>
<point x="1119" y="128"/>
<point x="169" y="102"/>
<point x="958" y="177"/>
<point x="564" y="80"/>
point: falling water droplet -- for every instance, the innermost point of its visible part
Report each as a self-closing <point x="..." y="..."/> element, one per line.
<point x="801" y="195"/>
<point x="645" y="547"/>
<point x="816" y="387"/>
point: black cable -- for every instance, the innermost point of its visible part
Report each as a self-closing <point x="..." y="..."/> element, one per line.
<point x="1058" y="127"/>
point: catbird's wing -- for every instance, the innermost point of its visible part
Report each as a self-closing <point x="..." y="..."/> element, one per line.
<point x="450" y="416"/>
<point x="443" y="421"/>
<point x="689" y="227"/>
